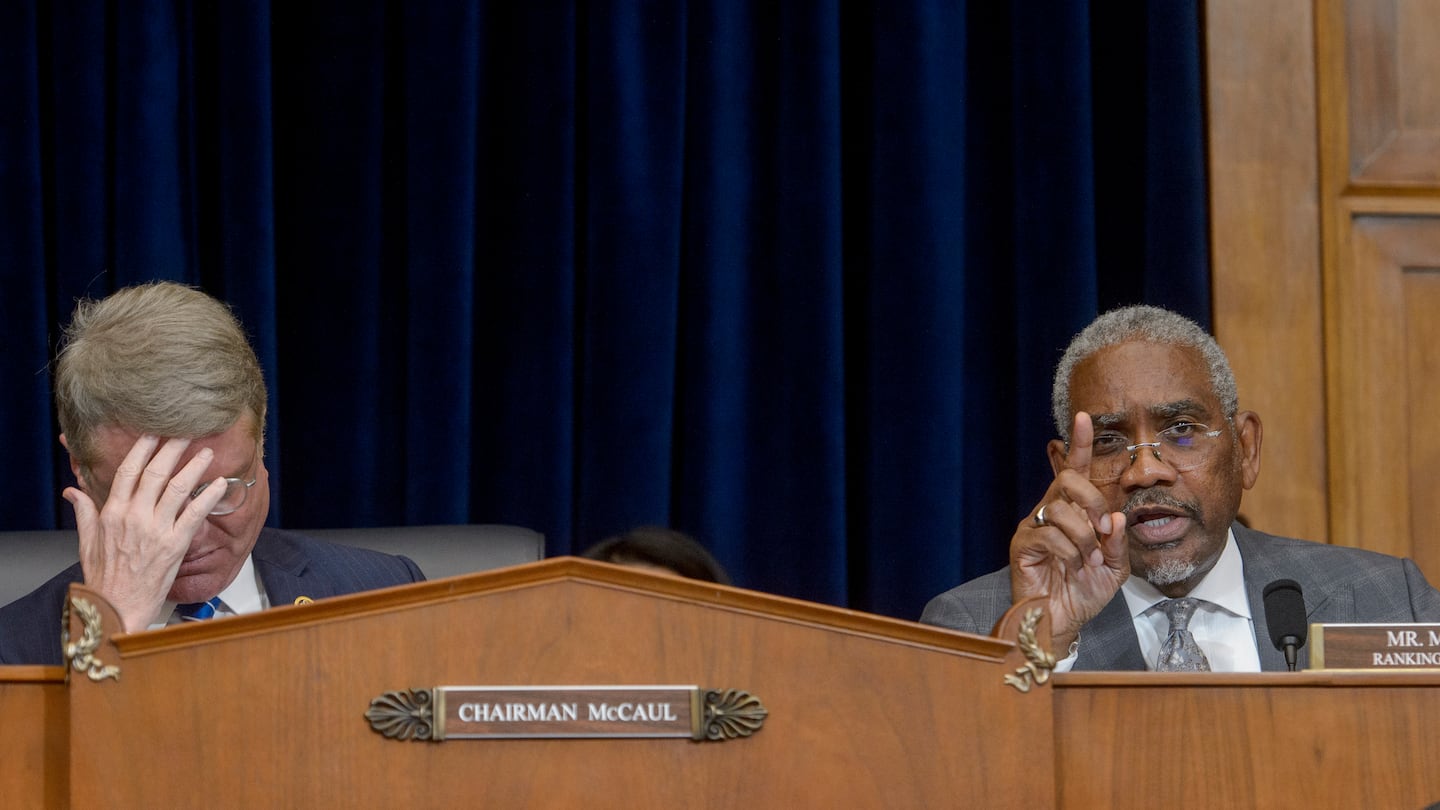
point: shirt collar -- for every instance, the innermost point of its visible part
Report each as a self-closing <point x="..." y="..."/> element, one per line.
<point x="243" y="595"/>
<point x="1223" y="586"/>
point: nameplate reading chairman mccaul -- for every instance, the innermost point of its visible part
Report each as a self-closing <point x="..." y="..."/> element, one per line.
<point x="528" y="712"/>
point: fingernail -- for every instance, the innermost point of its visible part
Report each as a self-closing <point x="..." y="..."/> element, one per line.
<point x="1097" y="559"/>
<point x="1105" y="523"/>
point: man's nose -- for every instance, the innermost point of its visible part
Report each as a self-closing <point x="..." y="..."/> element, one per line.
<point x="1147" y="468"/>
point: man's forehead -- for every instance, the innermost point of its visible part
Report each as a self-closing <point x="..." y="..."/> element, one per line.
<point x="233" y="446"/>
<point x="1159" y="411"/>
<point x="1135" y="379"/>
<point x="121" y="435"/>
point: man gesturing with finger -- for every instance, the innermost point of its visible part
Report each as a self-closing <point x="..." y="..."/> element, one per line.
<point x="1135" y="543"/>
<point x="162" y="409"/>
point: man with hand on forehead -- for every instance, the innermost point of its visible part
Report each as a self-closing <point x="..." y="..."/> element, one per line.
<point x="162" y="409"/>
<point x="1135" y="543"/>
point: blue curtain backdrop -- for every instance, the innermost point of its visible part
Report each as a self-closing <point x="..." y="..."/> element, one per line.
<point x="788" y="276"/>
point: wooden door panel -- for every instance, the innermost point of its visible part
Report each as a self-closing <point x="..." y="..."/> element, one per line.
<point x="1392" y="64"/>
<point x="1422" y="308"/>
<point x="1381" y="326"/>
<point x="1348" y="255"/>
<point x="1265" y="252"/>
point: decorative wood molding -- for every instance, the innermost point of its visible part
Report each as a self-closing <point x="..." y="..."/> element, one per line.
<point x="82" y="653"/>
<point x="565" y="569"/>
<point x="1040" y="662"/>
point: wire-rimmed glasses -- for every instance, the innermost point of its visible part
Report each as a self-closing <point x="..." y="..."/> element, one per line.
<point x="1184" y="447"/>
<point x="234" y="497"/>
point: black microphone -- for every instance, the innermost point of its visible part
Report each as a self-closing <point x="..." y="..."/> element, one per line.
<point x="1285" y="613"/>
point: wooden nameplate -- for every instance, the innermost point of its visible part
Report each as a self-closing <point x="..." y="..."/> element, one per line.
<point x="1375" y="647"/>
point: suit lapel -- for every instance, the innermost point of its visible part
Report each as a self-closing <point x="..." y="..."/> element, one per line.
<point x="1263" y="566"/>
<point x="281" y="565"/>
<point x="1108" y="641"/>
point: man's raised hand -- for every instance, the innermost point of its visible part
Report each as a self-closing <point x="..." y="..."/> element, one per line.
<point x="132" y="547"/>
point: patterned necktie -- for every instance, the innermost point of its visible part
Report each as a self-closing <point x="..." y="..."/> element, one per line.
<point x="1180" y="653"/>
<point x="198" y="611"/>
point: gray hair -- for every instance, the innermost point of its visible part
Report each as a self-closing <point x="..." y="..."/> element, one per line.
<point x="1152" y="325"/>
<point x="159" y="358"/>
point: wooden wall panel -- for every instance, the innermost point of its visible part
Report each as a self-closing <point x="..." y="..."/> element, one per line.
<point x="1325" y="283"/>
<point x="1422" y="375"/>
<point x="1392" y="66"/>
<point x="1379" y="125"/>
<point x="1265" y="248"/>
<point x="1373" y="430"/>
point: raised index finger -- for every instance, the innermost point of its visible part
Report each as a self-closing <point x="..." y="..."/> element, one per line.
<point x="1083" y="492"/>
<point x="1082" y="438"/>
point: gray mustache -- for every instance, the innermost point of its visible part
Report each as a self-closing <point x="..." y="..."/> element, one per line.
<point x="1155" y="497"/>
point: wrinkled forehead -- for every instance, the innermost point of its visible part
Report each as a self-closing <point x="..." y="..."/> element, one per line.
<point x="1142" y="381"/>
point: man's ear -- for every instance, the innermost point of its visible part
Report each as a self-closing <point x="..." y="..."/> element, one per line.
<point x="1249" y="432"/>
<point x="75" y="468"/>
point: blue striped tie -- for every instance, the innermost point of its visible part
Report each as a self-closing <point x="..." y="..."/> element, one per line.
<point x="198" y="611"/>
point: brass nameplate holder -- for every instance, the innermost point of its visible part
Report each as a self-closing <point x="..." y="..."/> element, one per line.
<point x="528" y="712"/>
<point x="1375" y="647"/>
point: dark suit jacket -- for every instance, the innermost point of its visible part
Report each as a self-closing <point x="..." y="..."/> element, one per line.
<point x="291" y="565"/>
<point x="1340" y="585"/>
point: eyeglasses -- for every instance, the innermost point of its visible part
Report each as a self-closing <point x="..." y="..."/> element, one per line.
<point x="234" y="497"/>
<point x="1185" y="446"/>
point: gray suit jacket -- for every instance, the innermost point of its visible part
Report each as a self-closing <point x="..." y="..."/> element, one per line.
<point x="291" y="565"/>
<point x="1340" y="584"/>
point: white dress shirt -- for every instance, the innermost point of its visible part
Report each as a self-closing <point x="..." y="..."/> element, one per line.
<point x="1222" y="624"/>
<point x="245" y="594"/>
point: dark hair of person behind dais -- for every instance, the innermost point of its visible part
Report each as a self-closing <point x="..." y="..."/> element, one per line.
<point x="660" y="547"/>
<point x="158" y="358"/>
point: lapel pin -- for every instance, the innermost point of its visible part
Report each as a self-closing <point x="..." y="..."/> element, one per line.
<point x="303" y="600"/>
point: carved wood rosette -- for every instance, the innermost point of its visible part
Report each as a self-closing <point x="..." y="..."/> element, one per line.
<point x="731" y="713"/>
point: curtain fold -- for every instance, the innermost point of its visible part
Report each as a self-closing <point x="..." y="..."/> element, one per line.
<point x="789" y="277"/>
<point x="439" y="199"/>
<point x="24" y="375"/>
